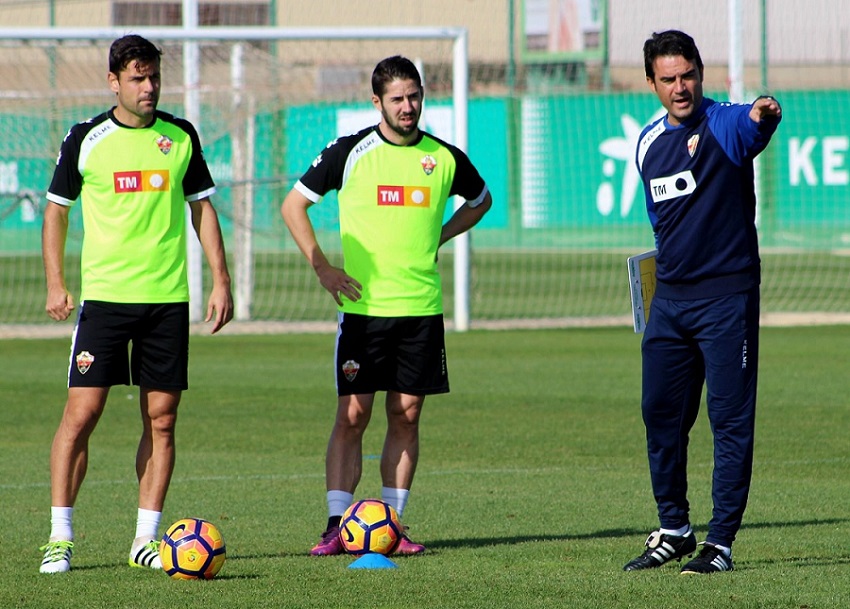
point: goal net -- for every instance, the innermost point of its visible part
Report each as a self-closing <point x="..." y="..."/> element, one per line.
<point x="265" y="101"/>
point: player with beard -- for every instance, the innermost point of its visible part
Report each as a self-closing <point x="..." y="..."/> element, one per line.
<point x="393" y="182"/>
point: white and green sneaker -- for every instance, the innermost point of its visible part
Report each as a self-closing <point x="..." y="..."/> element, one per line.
<point x="146" y="555"/>
<point x="57" y="556"/>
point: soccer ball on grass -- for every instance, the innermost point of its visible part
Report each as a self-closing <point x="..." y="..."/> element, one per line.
<point x="192" y="548"/>
<point x="370" y="526"/>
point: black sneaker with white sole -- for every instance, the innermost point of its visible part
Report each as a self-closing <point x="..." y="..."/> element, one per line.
<point x="662" y="548"/>
<point x="711" y="559"/>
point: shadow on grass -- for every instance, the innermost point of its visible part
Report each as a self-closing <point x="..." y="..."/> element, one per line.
<point x="796" y="561"/>
<point x="794" y="523"/>
<point x="610" y="534"/>
<point x="482" y="542"/>
<point x="230" y="558"/>
<point x="245" y="577"/>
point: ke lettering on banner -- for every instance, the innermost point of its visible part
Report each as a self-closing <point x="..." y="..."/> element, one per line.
<point x="141" y="181"/>
<point x="405" y="196"/>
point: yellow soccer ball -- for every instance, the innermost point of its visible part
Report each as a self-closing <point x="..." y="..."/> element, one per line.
<point x="192" y="548"/>
<point x="370" y="526"/>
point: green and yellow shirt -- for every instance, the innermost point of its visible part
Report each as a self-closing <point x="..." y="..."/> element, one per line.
<point x="392" y="201"/>
<point x="134" y="185"/>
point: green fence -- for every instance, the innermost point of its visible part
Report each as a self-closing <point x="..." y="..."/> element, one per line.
<point x="568" y="205"/>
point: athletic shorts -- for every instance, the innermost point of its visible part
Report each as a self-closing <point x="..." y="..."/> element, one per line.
<point x="404" y="354"/>
<point x="101" y="353"/>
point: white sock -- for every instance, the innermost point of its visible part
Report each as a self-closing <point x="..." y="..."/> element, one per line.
<point x="338" y="502"/>
<point x="60" y="523"/>
<point x="147" y="524"/>
<point x="396" y="497"/>
<point x="681" y="532"/>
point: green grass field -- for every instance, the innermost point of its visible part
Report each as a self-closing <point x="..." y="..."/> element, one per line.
<point x="505" y="285"/>
<point x="532" y="489"/>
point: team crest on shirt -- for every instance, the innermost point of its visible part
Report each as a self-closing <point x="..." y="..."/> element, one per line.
<point x="84" y="361"/>
<point x="350" y="370"/>
<point x="164" y="143"/>
<point x="428" y="164"/>
<point x="692" y="144"/>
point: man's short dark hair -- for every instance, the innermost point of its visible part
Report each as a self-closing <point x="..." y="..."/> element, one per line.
<point x="669" y="43"/>
<point x="132" y="48"/>
<point x="393" y="68"/>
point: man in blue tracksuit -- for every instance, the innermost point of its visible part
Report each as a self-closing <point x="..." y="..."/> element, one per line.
<point x="696" y="164"/>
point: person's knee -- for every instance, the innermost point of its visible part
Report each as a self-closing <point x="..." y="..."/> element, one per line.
<point x="408" y="418"/>
<point x="351" y="423"/>
<point x="79" y="421"/>
<point x="164" y="424"/>
<point x="404" y="421"/>
<point x="353" y="415"/>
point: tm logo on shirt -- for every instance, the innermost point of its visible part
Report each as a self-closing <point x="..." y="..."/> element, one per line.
<point x="670" y="187"/>
<point x="405" y="196"/>
<point x="155" y="180"/>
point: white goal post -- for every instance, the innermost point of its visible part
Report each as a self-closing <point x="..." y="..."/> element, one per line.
<point x="191" y="36"/>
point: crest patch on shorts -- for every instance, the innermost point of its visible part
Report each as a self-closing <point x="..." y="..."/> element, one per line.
<point x="350" y="370"/>
<point x="84" y="361"/>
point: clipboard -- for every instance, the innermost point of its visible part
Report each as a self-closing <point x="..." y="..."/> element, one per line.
<point x="641" y="287"/>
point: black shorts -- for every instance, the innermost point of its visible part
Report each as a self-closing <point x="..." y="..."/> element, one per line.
<point x="404" y="354"/>
<point x="159" y="333"/>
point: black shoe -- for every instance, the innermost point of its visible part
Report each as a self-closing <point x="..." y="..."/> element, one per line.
<point x="662" y="548"/>
<point x="711" y="559"/>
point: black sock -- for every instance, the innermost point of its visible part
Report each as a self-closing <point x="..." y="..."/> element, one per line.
<point x="333" y="521"/>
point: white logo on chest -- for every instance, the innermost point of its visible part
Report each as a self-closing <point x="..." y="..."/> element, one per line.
<point x="670" y="187"/>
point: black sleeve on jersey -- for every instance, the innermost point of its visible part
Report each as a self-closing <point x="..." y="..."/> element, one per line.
<point x="198" y="177"/>
<point x="67" y="181"/>
<point x="467" y="182"/>
<point x="327" y="169"/>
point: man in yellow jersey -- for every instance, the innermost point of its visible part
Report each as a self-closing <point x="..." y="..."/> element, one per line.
<point x="393" y="182"/>
<point x="134" y="168"/>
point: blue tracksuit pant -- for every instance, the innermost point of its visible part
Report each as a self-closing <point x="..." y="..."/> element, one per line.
<point x="688" y="344"/>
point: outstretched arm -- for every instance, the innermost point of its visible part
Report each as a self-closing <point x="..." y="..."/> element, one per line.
<point x="333" y="279"/>
<point x="764" y="107"/>
<point x="54" y="232"/>
<point x="208" y="229"/>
